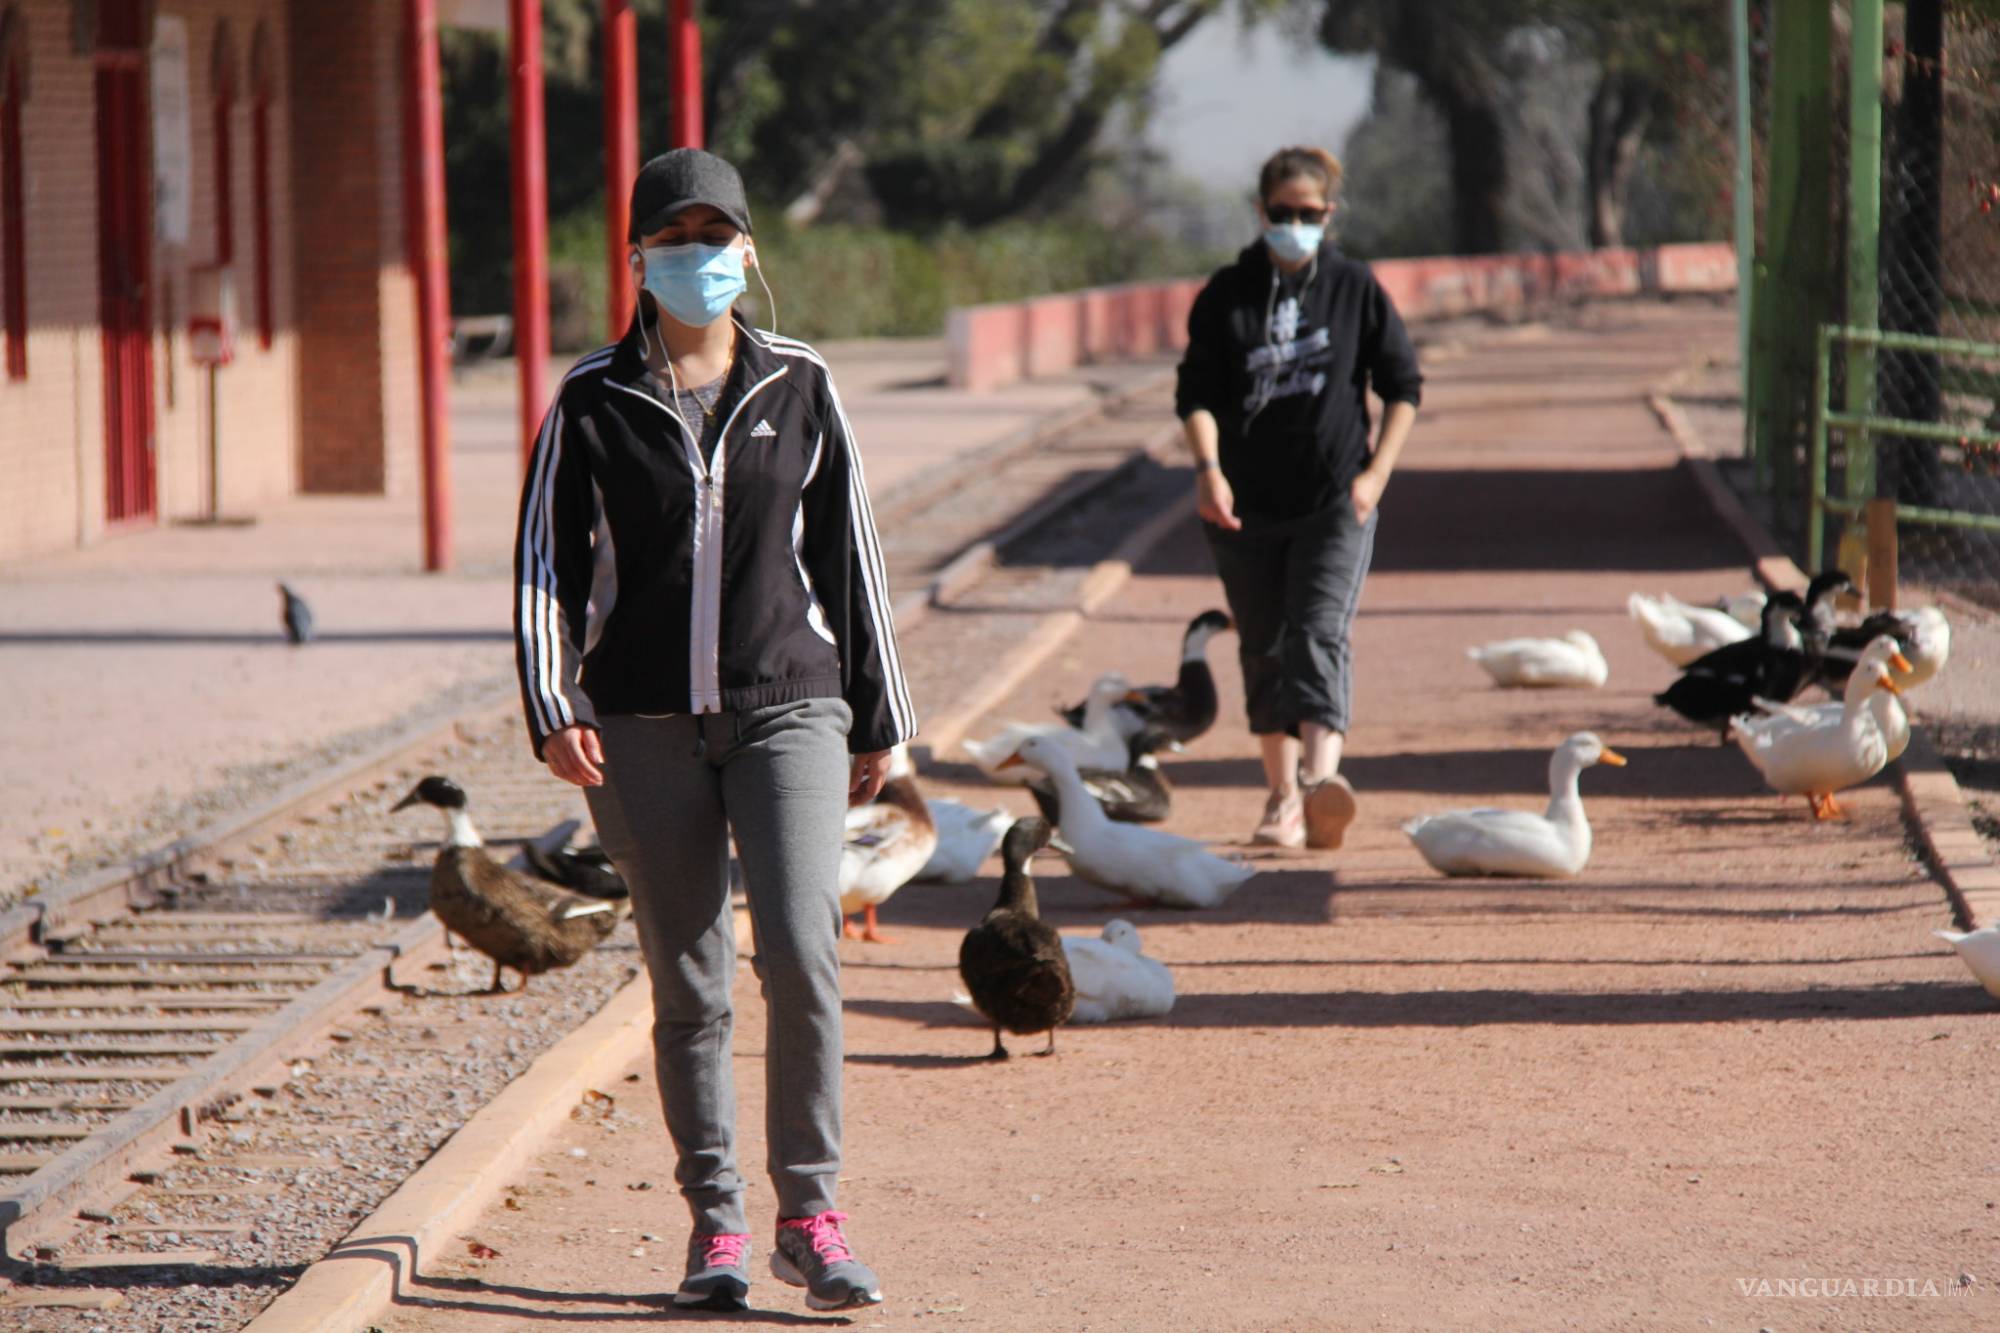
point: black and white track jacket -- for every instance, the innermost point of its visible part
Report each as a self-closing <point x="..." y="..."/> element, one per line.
<point x="650" y="582"/>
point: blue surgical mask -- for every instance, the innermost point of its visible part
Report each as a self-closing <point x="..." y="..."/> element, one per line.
<point x="696" y="283"/>
<point x="1295" y="241"/>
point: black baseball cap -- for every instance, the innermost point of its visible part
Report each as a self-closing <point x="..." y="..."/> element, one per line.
<point x="679" y="179"/>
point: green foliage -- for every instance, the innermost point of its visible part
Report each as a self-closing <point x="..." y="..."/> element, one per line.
<point x="868" y="282"/>
<point x="968" y="116"/>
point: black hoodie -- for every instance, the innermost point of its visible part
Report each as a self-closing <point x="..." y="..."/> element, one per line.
<point x="1285" y="369"/>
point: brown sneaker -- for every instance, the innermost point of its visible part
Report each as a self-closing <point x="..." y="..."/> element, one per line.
<point x="1329" y="809"/>
<point x="1284" y="822"/>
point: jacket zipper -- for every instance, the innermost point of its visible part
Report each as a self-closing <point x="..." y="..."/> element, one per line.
<point x="705" y="600"/>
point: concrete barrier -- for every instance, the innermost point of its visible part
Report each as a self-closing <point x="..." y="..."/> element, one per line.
<point x="992" y="346"/>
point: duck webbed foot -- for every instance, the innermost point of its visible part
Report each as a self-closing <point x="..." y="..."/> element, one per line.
<point x="999" y="1050"/>
<point x="869" y="933"/>
<point x="497" y="988"/>
<point x="1049" y="1049"/>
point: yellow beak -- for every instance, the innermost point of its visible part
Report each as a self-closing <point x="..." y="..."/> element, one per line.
<point x="1612" y="757"/>
<point x="1890" y="685"/>
<point x="1013" y="760"/>
<point x="1900" y="662"/>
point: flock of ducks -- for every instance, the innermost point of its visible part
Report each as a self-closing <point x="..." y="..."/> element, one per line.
<point x="1095" y="775"/>
<point x="1743" y="663"/>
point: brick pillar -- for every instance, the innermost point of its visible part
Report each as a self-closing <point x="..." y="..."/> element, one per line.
<point x="354" y="300"/>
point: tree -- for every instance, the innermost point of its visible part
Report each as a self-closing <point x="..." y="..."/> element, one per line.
<point x="1448" y="47"/>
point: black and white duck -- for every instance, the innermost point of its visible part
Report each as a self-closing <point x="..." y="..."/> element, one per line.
<point x="1137" y="795"/>
<point x="1182" y="710"/>
<point x="514" y="919"/>
<point x="1012" y="962"/>
<point x="1722" y="684"/>
<point x="1923" y="636"/>
<point x="587" y="870"/>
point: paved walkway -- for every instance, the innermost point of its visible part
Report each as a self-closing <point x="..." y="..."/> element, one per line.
<point x="1730" y="1056"/>
<point x="149" y="684"/>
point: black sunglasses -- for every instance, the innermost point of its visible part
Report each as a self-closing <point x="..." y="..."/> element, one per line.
<point x="1282" y="214"/>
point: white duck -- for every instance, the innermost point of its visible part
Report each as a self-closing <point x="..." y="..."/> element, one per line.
<point x="965" y="838"/>
<point x="1097" y="744"/>
<point x="1747" y="607"/>
<point x="1574" y="661"/>
<point x="1978" y="949"/>
<point x="1114" y="979"/>
<point x="1681" y="633"/>
<point x="1552" y="845"/>
<point x="1815" y="757"/>
<point x="1146" y="863"/>
<point x="887" y="842"/>
<point x="1885" y="705"/>
<point x="1924" y="636"/>
<point x="1927" y="648"/>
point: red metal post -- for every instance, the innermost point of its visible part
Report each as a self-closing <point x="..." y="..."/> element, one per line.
<point x="531" y="218"/>
<point x="427" y="257"/>
<point x="621" y="155"/>
<point x="684" y="51"/>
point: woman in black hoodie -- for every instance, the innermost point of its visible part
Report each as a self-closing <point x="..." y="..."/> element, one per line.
<point x="1283" y="347"/>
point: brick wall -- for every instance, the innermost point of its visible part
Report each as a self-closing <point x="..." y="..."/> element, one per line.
<point x="52" y="424"/>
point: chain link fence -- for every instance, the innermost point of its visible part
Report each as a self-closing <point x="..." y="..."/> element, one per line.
<point x="1940" y="278"/>
<point x="1910" y="418"/>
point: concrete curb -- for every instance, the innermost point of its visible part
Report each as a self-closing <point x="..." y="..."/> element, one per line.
<point x="1933" y="802"/>
<point x="366" y="1272"/>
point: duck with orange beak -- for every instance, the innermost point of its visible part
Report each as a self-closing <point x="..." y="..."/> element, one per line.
<point x="1810" y="754"/>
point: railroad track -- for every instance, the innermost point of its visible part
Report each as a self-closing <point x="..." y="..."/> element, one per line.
<point x="123" y="1036"/>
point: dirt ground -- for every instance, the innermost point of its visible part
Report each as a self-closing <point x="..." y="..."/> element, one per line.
<point x="1723" y="1080"/>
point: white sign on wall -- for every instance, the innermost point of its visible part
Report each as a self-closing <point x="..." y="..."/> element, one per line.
<point x="173" y="157"/>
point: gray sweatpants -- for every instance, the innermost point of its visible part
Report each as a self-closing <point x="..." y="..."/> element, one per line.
<point x="779" y="776"/>
<point x="1292" y="589"/>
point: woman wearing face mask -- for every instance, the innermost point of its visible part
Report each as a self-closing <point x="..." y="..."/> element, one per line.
<point x="705" y="646"/>
<point x="1283" y="346"/>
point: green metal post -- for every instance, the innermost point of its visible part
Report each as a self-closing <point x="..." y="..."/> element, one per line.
<point x="1864" y="230"/>
<point x="1792" y="304"/>
<point x="1746" y="221"/>
<point x="1816" y="460"/>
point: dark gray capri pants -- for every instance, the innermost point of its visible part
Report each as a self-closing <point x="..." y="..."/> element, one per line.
<point x="1293" y="588"/>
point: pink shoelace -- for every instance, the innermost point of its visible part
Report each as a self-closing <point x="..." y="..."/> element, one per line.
<point x="823" y="1232"/>
<point x="724" y="1251"/>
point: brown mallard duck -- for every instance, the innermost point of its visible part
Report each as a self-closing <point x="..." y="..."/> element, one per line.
<point x="885" y="844"/>
<point x="1012" y="962"/>
<point x="517" y="921"/>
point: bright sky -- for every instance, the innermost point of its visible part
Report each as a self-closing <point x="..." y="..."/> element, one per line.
<point x="1228" y="100"/>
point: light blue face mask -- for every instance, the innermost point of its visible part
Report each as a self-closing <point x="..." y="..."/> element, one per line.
<point x="1295" y="241"/>
<point x="695" y="283"/>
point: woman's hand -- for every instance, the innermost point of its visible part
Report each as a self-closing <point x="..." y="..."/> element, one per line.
<point x="575" y="755"/>
<point x="866" y="776"/>
<point x="1214" y="500"/>
<point x="1366" y="493"/>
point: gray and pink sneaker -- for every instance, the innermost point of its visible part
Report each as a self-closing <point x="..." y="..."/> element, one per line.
<point x="812" y="1253"/>
<point x="718" y="1274"/>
